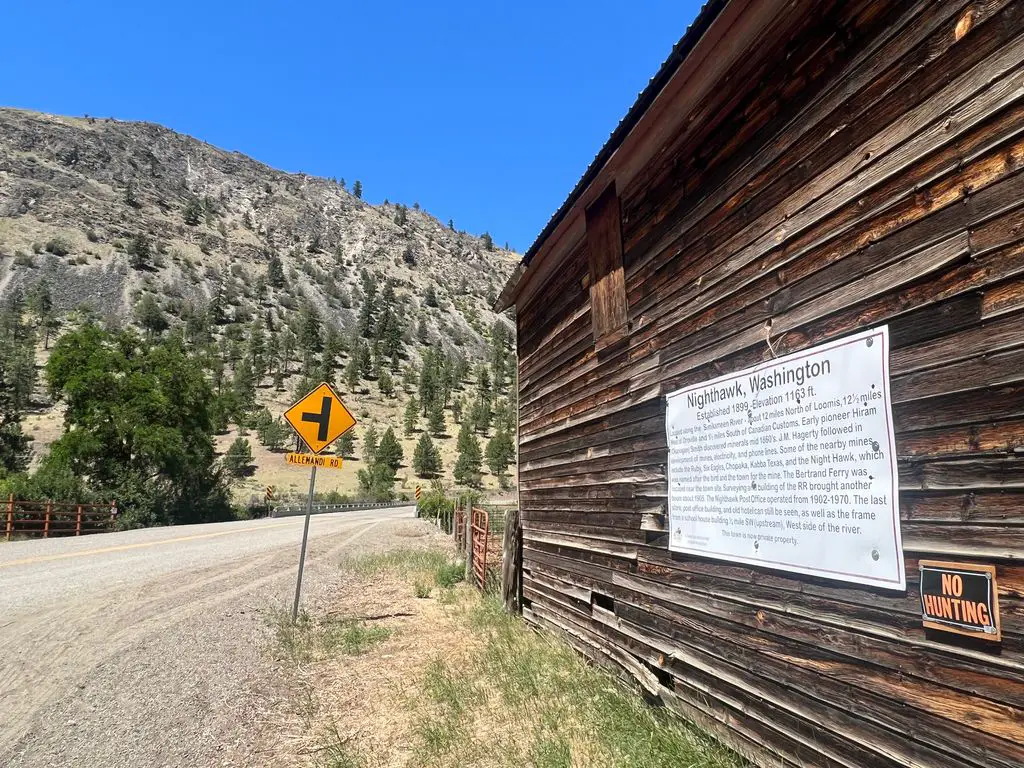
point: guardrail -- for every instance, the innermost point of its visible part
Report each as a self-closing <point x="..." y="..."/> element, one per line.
<point x="291" y="510"/>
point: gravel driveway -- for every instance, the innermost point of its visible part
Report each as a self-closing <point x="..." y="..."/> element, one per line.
<point x="142" y="648"/>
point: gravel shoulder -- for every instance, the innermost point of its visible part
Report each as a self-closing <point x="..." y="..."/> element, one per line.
<point x="147" y="656"/>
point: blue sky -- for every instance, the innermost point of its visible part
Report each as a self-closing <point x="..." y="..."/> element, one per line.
<point x="484" y="112"/>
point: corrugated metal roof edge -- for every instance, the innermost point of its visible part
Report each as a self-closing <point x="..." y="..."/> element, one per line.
<point x="708" y="13"/>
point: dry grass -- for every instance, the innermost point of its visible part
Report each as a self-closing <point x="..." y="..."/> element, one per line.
<point x="454" y="681"/>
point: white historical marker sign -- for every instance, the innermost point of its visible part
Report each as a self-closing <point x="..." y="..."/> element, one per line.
<point x="792" y="465"/>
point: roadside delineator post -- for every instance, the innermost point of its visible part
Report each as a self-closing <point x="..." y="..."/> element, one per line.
<point x="10" y="517"/>
<point x="46" y="521"/>
<point x="78" y="521"/>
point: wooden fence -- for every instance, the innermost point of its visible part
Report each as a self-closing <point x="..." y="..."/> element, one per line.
<point x="48" y="519"/>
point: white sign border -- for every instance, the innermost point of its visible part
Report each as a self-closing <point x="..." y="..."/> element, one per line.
<point x="898" y="584"/>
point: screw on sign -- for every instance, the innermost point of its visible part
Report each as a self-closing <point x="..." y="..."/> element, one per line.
<point x="319" y="419"/>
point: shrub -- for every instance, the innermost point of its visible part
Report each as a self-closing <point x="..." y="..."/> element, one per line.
<point x="59" y="246"/>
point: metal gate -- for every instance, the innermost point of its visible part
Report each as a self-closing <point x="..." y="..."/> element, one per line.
<point x="480" y="531"/>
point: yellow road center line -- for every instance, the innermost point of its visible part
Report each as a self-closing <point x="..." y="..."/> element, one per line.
<point x="141" y="545"/>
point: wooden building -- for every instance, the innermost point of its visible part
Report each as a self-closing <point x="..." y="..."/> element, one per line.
<point x="797" y="171"/>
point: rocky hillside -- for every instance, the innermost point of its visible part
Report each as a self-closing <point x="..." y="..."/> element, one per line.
<point x="119" y="216"/>
<point x="79" y="197"/>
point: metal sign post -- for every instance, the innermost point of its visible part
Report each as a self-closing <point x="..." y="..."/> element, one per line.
<point x="318" y="419"/>
<point x="305" y="538"/>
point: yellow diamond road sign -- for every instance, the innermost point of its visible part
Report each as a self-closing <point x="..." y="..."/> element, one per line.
<point x="320" y="418"/>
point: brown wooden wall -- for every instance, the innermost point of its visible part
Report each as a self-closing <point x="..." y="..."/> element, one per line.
<point x="870" y="171"/>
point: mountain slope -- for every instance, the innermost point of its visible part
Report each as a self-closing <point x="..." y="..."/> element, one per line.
<point x="110" y="213"/>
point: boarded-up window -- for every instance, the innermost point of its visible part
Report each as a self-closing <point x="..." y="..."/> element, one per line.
<point x="607" y="281"/>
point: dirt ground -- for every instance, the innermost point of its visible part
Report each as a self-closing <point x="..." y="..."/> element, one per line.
<point x="310" y="709"/>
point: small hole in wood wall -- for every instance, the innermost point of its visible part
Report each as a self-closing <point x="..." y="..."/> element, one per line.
<point x="602" y="601"/>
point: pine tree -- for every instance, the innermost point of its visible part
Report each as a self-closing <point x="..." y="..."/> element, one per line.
<point x="500" y="452"/>
<point x="243" y="388"/>
<point x="389" y="451"/>
<point x="368" y="309"/>
<point x="346" y="444"/>
<point x="197" y="325"/>
<point x="505" y="415"/>
<point x="272" y="434"/>
<point x="412" y="415"/>
<point x="238" y="459"/>
<point x="357" y="189"/>
<point x="385" y="384"/>
<point x="150" y="316"/>
<point x="457" y="409"/>
<point x="352" y="374"/>
<point x="332" y="349"/>
<point x="193" y="211"/>
<point x="40" y="303"/>
<point x="309" y="337"/>
<point x="430" y="296"/>
<point x="467" y="465"/>
<point x="426" y="459"/>
<point x="482" y="413"/>
<point x="370" y="440"/>
<point x="430" y="386"/>
<point x="435" y="419"/>
<point x="256" y="351"/>
<point x="275" y="272"/>
<point x="140" y="253"/>
<point x="287" y="350"/>
<point x="364" y="358"/>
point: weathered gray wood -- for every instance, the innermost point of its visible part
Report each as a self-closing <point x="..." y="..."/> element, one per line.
<point x="863" y="166"/>
<point x="512" y="563"/>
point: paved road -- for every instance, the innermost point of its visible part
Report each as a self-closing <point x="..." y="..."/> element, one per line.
<point x="113" y="646"/>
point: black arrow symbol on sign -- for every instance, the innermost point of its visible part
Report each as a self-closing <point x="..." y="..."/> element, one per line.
<point x="323" y="418"/>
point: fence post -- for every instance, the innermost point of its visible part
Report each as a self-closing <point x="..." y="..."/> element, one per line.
<point x="511" y="563"/>
<point x="78" y="521"/>
<point x="46" y="522"/>
<point x="10" y="517"/>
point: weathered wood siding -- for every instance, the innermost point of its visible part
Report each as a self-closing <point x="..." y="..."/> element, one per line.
<point x="869" y="170"/>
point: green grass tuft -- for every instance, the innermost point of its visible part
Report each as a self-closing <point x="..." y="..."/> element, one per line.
<point x="421" y="590"/>
<point x="400" y="562"/>
<point x="307" y="640"/>
<point x="449" y="574"/>
<point x="354" y="637"/>
<point x="549" y="707"/>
